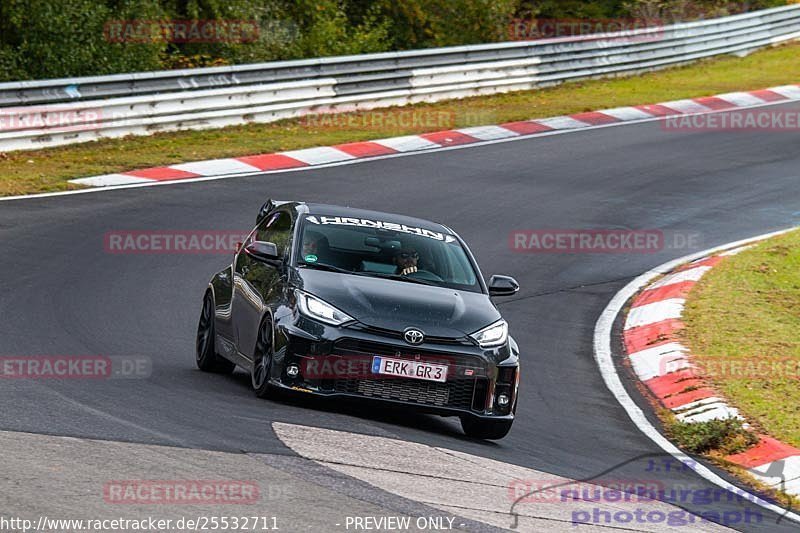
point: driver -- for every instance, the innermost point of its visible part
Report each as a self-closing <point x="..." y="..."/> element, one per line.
<point x="406" y="260"/>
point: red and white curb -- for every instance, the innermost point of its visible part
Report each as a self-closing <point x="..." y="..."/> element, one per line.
<point x="764" y="456"/>
<point x="665" y="367"/>
<point x="325" y="155"/>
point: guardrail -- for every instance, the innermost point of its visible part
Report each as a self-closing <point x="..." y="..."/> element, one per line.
<point x="35" y="114"/>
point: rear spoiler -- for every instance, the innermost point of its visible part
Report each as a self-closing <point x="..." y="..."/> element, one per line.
<point x="268" y="206"/>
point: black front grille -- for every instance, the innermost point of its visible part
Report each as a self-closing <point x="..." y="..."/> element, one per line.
<point x="457" y="393"/>
<point x="346" y="346"/>
<point x="349" y="346"/>
<point x="398" y="335"/>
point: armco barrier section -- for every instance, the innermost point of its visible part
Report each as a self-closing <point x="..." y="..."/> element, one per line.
<point x="42" y="113"/>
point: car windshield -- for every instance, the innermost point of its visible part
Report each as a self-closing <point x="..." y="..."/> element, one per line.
<point x="385" y="249"/>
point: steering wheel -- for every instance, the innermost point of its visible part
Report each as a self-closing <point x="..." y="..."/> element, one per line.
<point x="425" y="275"/>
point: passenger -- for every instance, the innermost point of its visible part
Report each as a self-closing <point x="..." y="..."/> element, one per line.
<point x="312" y="243"/>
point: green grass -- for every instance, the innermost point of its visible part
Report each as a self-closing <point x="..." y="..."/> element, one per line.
<point x="49" y="169"/>
<point x="743" y="326"/>
<point x="722" y="437"/>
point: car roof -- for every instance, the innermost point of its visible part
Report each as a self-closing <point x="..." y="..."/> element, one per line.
<point x="340" y="211"/>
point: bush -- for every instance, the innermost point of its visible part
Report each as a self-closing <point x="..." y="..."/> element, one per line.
<point x="10" y="68"/>
<point x="61" y="39"/>
<point x="323" y="29"/>
<point x="684" y="10"/>
<point x="49" y="39"/>
<point x="273" y="34"/>
<point x="724" y="436"/>
<point x="572" y="9"/>
<point x="431" y="23"/>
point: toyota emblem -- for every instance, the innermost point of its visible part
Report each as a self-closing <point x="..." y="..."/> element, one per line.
<point x="413" y="336"/>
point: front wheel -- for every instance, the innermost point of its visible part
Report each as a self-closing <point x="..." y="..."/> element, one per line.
<point x="262" y="361"/>
<point x="205" y="349"/>
<point x="478" y="428"/>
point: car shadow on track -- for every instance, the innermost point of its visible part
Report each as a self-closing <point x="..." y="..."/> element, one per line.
<point x="365" y="409"/>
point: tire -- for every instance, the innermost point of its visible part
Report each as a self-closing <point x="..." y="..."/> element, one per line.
<point x="205" y="350"/>
<point x="485" y="429"/>
<point x="262" y="361"/>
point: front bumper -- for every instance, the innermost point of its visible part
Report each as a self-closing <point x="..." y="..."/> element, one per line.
<point x="337" y="362"/>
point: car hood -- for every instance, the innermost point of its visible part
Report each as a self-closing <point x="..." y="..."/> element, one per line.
<point x="396" y="305"/>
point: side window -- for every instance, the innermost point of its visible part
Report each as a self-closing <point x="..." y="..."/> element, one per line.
<point x="277" y="229"/>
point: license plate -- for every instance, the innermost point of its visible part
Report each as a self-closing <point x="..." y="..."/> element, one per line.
<point x="409" y="369"/>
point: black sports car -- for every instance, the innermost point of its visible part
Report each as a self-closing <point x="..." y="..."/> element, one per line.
<point x="336" y="301"/>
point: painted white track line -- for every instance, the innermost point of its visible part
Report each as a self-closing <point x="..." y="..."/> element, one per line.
<point x="603" y="356"/>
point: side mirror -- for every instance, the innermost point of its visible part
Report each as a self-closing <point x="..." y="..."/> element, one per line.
<point x="262" y="251"/>
<point x="502" y="286"/>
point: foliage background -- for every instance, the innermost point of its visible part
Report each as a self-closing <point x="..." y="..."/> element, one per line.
<point x="50" y="39"/>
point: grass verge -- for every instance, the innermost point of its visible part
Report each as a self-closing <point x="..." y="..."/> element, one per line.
<point x="49" y="169"/>
<point x="714" y="437"/>
<point x="716" y="440"/>
<point x="743" y="328"/>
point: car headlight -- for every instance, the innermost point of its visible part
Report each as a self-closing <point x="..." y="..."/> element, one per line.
<point x="315" y="308"/>
<point x="493" y="335"/>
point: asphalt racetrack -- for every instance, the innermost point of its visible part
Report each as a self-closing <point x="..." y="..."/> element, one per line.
<point x="62" y="293"/>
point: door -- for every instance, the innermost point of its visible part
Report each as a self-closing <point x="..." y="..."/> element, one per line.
<point x="259" y="285"/>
